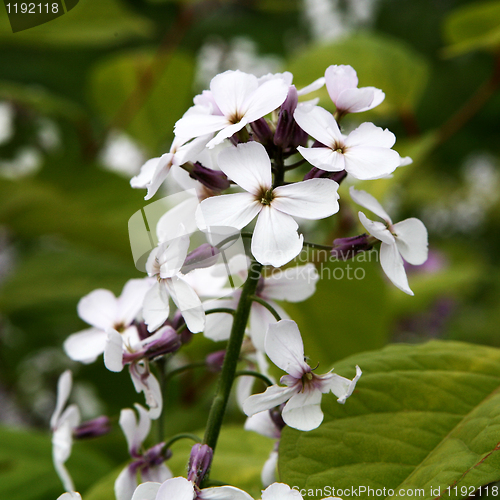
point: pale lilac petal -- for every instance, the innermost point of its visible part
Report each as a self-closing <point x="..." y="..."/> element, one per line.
<point x="218" y="325"/>
<point x="229" y="210"/>
<point x="310" y="199"/>
<point x="85" y="346"/>
<point x="312" y="87"/>
<point x="281" y="491"/>
<point x="156" y="306"/>
<point x="227" y="132"/>
<point x="146" y="491"/>
<point x="113" y="352"/>
<point x="156" y="474"/>
<point x="274" y="396"/>
<point x="70" y="495"/>
<point x="131" y="299"/>
<point x="63" y="391"/>
<point x="248" y="165"/>
<point x="144" y="381"/>
<point x="188" y="302"/>
<point x="183" y="213"/>
<point x="377" y="229"/>
<point x="98" y="308"/>
<point x="172" y="254"/>
<point x="275" y="239"/>
<point x="268" y="474"/>
<point x="177" y="488"/>
<point x="303" y="411"/>
<point x="355" y="100"/>
<point x="64" y="476"/>
<point x="260" y="319"/>
<point x="244" y="387"/>
<point x="368" y="201"/>
<point x="262" y="424"/>
<point x="195" y="125"/>
<point x="338" y="79"/>
<point x="143" y="179"/>
<point x="162" y="168"/>
<point x="378" y="98"/>
<point x="369" y="162"/>
<point x="125" y="484"/>
<point x="318" y="123"/>
<point x="343" y="387"/>
<point x="285" y="348"/>
<point x="268" y="97"/>
<point x="231" y="90"/>
<point x="392" y="264"/>
<point x="368" y="134"/>
<point x="323" y="158"/>
<point x="135" y="431"/>
<point x="293" y="284"/>
<point x="224" y="493"/>
<point x="412" y="240"/>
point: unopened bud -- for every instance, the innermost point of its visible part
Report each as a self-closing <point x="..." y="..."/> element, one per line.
<point x="92" y="428"/>
<point x="316" y="173"/>
<point x="205" y="255"/>
<point x="347" y="248"/>
<point x="215" y="359"/>
<point x="214" y="180"/>
<point x="262" y="131"/>
<point x="200" y="461"/>
<point x="285" y="128"/>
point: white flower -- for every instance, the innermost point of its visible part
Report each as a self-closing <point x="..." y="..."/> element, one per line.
<point x="342" y="86"/>
<point x="63" y="423"/>
<point x="165" y="263"/>
<point x="275" y="240"/>
<point x="365" y="153"/>
<point x="304" y="388"/>
<point x="155" y="170"/>
<point x="144" y="381"/>
<point x="105" y="312"/>
<point x="239" y="99"/>
<point x="149" y="464"/>
<point x="405" y="240"/>
<point x="70" y="495"/>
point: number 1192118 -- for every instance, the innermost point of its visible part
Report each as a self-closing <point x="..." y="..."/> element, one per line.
<point x="32" y="8"/>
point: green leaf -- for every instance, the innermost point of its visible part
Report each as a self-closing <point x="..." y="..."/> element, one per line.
<point x="238" y="461"/>
<point x="144" y="93"/>
<point x="381" y="62"/>
<point x="473" y="27"/>
<point x="91" y="22"/>
<point x="26" y="470"/>
<point x="421" y="416"/>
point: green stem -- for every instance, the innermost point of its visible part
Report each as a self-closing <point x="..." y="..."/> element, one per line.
<point x="178" y="437"/>
<point x="269" y="307"/>
<point x="251" y="373"/>
<point x="228" y="372"/>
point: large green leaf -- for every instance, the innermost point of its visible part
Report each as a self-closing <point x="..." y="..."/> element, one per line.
<point x="238" y="461"/>
<point x="381" y="62"/>
<point x="26" y="470"/>
<point x="421" y="416"/>
<point x="474" y="26"/>
<point x="144" y="92"/>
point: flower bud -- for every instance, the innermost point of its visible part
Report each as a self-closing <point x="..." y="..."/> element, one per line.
<point x="285" y="128"/>
<point x="215" y="359"/>
<point x="92" y="428"/>
<point x="214" y="180"/>
<point x="199" y="462"/>
<point x="316" y="173"/>
<point x="262" y="131"/>
<point x="347" y="248"/>
<point x="205" y="255"/>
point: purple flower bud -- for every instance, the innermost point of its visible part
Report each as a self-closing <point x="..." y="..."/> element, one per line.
<point x="213" y="179"/>
<point x="92" y="428"/>
<point x="285" y="128"/>
<point x="262" y="131"/>
<point x="204" y="256"/>
<point x="168" y="342"/>
<point x="156" y="455"/>
<point x="347" y="248"/>
<point x="316" y="173"/>
<point x="277" y="419"/>
<point x="199" y="462"/>
<point x="215" y="359"/>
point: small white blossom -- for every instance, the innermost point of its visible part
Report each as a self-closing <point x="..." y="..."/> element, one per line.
<point x="404" y="240"/>
<point x="303" y="388"/>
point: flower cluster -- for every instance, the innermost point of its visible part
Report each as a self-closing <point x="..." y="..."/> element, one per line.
<point x="240" y="148"/>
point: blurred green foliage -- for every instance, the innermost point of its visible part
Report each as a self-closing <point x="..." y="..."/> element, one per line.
<point x="130" y="65"/>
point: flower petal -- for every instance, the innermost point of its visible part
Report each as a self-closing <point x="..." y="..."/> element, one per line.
<point x="343" y="387"/>
<point x="323" y="158"/>
<point x="229" y="210"/>
<point x="156" y="474"/>
<point x="260" y="319"/>
<point x="377" y="229"/>
<point x="274" y="396"/>
<point x="63" y="391"/>
<point x="303" y="410"/>
<point x="131" y="299"/>
<point x="281" y="491"/>
<point x="310" y="199"/>
<point x="268" y="474"/>
<point x="293" y="284"/>
<point x="113" y="352"/>
<point x="99" y="308"/>
<point x="285" y="348"/>
<point x="125" y="484"/>
<point x="248" y="165"/>
<point x="368" y="134"/>
<point x="188" y="302"/>
<point x="392" y="264"/>
<point x="198" y="124"/>
<point x="369" y="162"/>
<point x="275" y="239"/>
<point x="339" y="78"/>
<point x="177" y="488"/>
<point x="355" y="100"/>
<point x="412" y="240"/>
<point x="262" y="424"/>
<point x="224" y="493"/>
<point x="144" y="381"/>
<point x="318" y="123"/>
<point x="146" y="491"/>
<point x="266" y="98"/>
<point x="156" y="307"/>
<point x="368" y="201"/>
<point x="135" y="431"/>
<point x="85" y="346"/>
